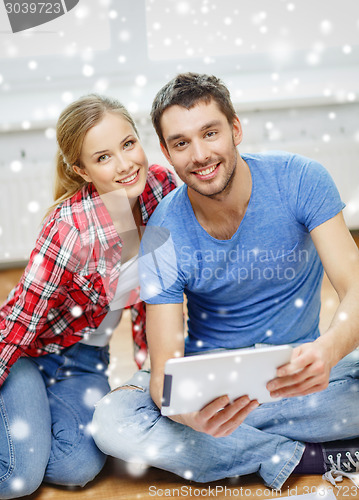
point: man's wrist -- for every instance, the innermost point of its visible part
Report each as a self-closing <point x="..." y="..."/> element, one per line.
<point x="329" y="343"/>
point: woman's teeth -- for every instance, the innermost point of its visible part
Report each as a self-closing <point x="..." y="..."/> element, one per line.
<point x="129" y="179"/>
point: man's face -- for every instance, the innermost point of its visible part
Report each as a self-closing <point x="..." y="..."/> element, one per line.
<point x="201" y="146"/>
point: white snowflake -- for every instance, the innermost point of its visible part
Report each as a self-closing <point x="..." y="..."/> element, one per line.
<point x="188" y="474"/>
<point x="33" y="206"/>
<point x="26" y="125"/>
<point x="151" y="451"/>
<point x="275" y="459"/>
<point x="38" y="259"/>
<point x="82" y="12"/>
<point x="140" y="81"/>
<point x="76" y="311"/>
<point x="326" y="27"/>
<point x="183" y="7"/>
<point x="17" y="484"/>
<point x="16" y="166"/>
<point x="20" y="429"/>
<point x="101" y="85"/>
<point x="67" y="97"/>
<point x="32" y="65"/>
<point x="92" y="396"/>
<point x="343" y="316"/>
<point x="188" y="389"/>
<point x="88" y="70"/>
<point x="50" y="133"/>
<point x="347" y="49"/>
<point x="136" y="469"/>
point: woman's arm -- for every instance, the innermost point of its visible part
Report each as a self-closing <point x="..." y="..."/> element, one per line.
<point x="50" y="266"/>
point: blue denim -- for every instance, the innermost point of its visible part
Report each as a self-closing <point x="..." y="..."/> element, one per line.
<point x="128" y="425"/>
<point x="46" y="408"/>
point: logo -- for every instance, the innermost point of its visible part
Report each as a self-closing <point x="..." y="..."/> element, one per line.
<point x="26" y="14"/>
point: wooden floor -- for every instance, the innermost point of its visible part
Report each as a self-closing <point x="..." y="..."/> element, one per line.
<point x="116" y="481"/>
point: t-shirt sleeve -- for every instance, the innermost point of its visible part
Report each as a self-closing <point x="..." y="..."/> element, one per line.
<point x="161" y="281"/>
<point x="313" y="195"/>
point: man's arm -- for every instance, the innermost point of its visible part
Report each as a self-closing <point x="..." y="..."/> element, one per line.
<point x="311" y="363"/>
<point x="166" y="340"/>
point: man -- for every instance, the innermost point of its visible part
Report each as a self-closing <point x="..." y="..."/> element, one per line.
<point x="251" y="235"/>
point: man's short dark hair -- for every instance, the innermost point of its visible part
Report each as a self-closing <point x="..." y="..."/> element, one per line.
<point x="186" y="90"/>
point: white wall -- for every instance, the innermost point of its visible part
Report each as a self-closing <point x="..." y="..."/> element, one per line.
<point x="293" y="93"/>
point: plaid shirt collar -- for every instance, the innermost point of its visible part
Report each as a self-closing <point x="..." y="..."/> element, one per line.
<point x="88" y="210"/>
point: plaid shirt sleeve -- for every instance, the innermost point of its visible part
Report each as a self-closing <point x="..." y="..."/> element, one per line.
<point x="160" y="182"/>
<point x="49" y="269"/>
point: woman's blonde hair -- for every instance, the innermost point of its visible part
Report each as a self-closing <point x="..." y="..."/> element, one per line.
<point x="73" y="124"/>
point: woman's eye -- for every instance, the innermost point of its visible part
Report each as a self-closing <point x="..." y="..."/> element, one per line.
<point x="103" y="157"/>
<point x="128" y="144"/>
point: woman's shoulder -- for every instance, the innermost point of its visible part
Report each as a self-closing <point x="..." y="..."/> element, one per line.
<point x="73" y="211"/>
<point x="161" y="175"/>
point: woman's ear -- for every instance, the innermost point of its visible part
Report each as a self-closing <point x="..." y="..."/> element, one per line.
<point x="81" y="172"/>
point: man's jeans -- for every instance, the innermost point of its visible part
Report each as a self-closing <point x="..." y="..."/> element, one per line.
<point x="128" y="425"/>
<point x="46" y="408"/>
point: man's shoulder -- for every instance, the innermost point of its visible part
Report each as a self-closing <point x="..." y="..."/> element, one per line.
<point x="275" y="157"/>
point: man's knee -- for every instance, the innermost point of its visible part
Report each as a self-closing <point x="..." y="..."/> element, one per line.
<point x="120" y="421"/>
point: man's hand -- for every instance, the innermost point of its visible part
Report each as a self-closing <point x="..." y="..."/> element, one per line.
<point x="220" y="417"/>
<point x="307" y="372"/>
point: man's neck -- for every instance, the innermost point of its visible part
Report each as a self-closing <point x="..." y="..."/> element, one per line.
<point x="220" y="216"/>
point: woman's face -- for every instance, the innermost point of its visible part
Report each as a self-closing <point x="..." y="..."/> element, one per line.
<point x="112" y="157"/>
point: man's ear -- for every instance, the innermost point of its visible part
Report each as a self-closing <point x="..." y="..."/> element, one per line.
<point x="237" y="131"/>
<point x="166" y="153"/>
<point x="81" y="172"/>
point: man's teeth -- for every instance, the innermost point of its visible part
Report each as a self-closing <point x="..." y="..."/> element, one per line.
<point x="207" y="171"/>
<point x="129" y="179"/>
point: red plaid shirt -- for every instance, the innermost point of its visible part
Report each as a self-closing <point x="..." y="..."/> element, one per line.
<point x="72" y="276"/>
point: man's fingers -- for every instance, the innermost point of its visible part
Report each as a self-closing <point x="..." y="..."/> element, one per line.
<point x="212" y="421"/>
<point x="214" y="407"/>
<point x="236" y="420"/>
<point x="309" y="385"/>
<point x="296" y="365"/>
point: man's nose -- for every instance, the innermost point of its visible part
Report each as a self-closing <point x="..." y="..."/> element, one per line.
<point x="200" y="152"/>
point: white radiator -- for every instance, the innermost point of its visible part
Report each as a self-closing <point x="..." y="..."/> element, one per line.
<point x="25" y="194"/>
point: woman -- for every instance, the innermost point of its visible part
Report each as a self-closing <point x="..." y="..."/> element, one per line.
<point x="70" y="298"/>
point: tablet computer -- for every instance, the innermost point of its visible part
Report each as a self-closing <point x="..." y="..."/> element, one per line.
<point x="191" y="382"/>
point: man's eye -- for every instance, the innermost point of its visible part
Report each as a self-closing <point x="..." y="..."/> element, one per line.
<point x="210" y="134"/>
<point x="180" y="144"/>
<point x="103" y="157"/>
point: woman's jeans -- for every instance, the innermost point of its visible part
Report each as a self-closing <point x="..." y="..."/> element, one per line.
<point x="127" y="424"/>
<point x="46" y="408"/>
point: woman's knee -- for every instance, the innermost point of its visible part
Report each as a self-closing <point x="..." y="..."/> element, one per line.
<point x="78" y="467"/>
<point x="19" y="483"/>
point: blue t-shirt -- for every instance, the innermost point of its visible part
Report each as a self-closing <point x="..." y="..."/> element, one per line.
<point x="261" y="286"/>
